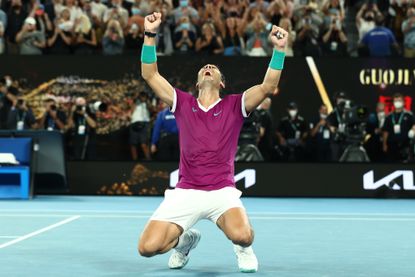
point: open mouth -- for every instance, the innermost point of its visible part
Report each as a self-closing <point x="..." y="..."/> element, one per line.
<point x="208" y="73"/>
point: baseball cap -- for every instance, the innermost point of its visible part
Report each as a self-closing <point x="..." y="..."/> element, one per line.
<point x="30" y="20"/>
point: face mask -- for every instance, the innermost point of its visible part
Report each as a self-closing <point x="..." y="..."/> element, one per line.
<point x="185" y="26"/>
<point x="8" y="83"/>
<point x="398" y="104"/>
<point x="340" y="101"/>
<point x="381" y="115"/>
<point x="184" y="3"/>
<point x="292" y="113"/>
<point x="135" y="11"/>
<point x="323" y="116"/>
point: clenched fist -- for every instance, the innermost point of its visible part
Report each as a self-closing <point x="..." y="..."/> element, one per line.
<point x="152" y="22"/>
<point x="279" y="37"/>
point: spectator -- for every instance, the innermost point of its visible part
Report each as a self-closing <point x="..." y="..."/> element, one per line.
<point x="165" y="138"/>
<point x="261" y="5"/>
<point x="134" y="39"/>
<point x="98" y="10"/>
<point x="332" y="8"/>
<point x="285" y="23"/>
<point x="184" y="36"/>
<point x="53" y="118"/>
<point x="209" y="42"/>
<point x="266" y="138"/>
<point x="85" y="38"/>
<point x="396" y="15"/>
<point x="291" y="134"/>
<point x="276" y="11"/>
<point x="116" y="12"/>
<point x="380" y="40"/>
<point x="374" y="127"/>
<point x="396" y="131"/>
<point x="139" y="127"/>
<point x="136" y="17"/>
<point x="365" y="19"/>
<point x="257" y="43"/>
<point x="234" y="8"/>
<point x="43" y="22"/>
<point x="165" y="38"/>
<point x="82" y="123"/>
<point x="144" y="6"/>
<point x="408" y="30"/>
<point x="3" y="19"/>
<point x="8" y="96"/>
<point x="113" y="41"/>
<point x="15" y="19"/>
<point x="74" y="9"/>
<point x="185" y="9"/>
<point x="337" y="126"/>
<point x="308" y="29"/>
<point x="334" y="41"/>
<point x="30" y="40"/>
<point x="60" y="42"/>
<point x="321" y="136"/>
<point x="21" y="117"/>
<point x="232" y="36"/>
<point x="2" y="43"/>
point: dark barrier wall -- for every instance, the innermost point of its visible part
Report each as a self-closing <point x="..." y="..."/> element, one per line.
<point x="365" y="80"/>
<point x="254" y="179"/>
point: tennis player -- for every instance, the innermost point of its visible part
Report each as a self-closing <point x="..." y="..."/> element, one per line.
<point x="209" y="128"/>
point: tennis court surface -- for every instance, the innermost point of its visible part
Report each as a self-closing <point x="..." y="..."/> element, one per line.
<point x="97" y="236"/>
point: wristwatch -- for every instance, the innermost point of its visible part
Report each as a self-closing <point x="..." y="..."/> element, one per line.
<point x="150" y="34"/>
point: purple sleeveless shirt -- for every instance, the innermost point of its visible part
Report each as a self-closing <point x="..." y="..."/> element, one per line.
<point x="208" y="140"/>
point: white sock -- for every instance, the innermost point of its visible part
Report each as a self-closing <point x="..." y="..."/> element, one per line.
<point x="183" y="240"/>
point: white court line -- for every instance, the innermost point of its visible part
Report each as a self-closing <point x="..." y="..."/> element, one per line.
<point x="150" y="212"/>
<point x="9" y="237"/>
<point x="60" y="223"/>
<point x="300" y="218"/>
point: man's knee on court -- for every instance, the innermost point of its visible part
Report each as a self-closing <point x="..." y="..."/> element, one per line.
<point x="148" y="248"/>
<point x="242" y="236"/>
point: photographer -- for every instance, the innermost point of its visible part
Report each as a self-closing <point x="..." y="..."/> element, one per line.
<point x="337" y="126"/>
<point x="321" y="136"/>
<point x="266" y="137"/>
<point x="82" y="125"/>
<point x="374" y="127"/>
<point x="52" y="119"/>
<point x="291" y="134"/>
<point x="8" y="96"/>
<point x="396" y="131"/>
<point x="21" y="117"/>
<point x="139" y="127"/>
<point x="184" y="36"/>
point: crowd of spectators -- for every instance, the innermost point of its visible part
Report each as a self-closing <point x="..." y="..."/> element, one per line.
<point x="85" y="110"/>
<point x="215" y="27"/>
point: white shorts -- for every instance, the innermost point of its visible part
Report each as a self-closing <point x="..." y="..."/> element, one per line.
<point x="185" y="207"/>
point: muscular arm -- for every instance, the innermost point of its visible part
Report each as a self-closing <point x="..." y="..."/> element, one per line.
<point x="161" y="87"/>
<point x="256" y="94"/>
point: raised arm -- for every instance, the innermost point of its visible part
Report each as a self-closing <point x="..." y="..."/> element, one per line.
<point x="149" y="71"/>
<point x="256" y="94"/>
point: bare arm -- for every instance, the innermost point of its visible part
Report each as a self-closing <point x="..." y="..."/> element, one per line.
<point x="256" y="94"/>
<point x="149" y="72"/>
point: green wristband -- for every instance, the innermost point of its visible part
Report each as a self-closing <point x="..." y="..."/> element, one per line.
<point x="148" y="54"/>
<point x="277" y="60"/>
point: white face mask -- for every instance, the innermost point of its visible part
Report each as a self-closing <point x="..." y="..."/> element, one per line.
<point x="381" y="115"/>
<point x="8" y="82"/>
<point x="293" y="113"/>
<point x="398" y="104"/>
<point x="323" y="116"/>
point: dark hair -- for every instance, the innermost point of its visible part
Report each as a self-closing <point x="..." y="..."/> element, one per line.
<point x="397" y="95"/>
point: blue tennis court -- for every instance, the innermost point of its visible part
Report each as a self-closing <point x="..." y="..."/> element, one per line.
<point x="97" y="236"/>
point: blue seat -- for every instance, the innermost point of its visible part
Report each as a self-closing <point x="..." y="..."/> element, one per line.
<point x="15" y="180"/>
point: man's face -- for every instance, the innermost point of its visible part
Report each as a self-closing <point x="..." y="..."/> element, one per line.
<point x="324" y="110"/>
<point x="380" y="107"/>
<point x="210" y="73"/>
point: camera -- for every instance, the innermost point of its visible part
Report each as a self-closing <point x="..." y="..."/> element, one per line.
<point x="354" y="118"/>
<point x="53" y="108"/>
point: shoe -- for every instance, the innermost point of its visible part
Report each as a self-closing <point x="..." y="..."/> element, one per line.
<point x="247" y="260"/>
<point x="180" y="256"/>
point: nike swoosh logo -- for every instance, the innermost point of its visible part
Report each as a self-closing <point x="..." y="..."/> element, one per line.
<point x="216" y="114"/>
<point x="194" y="109"/>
